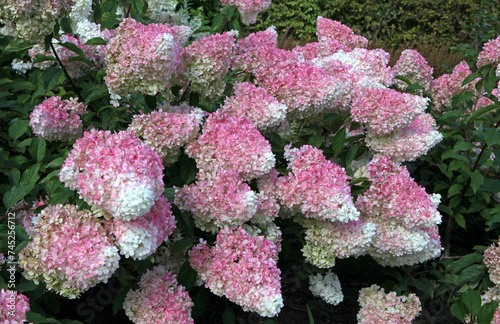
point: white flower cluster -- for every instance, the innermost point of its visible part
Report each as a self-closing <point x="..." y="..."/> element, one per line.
<point x="327" y="287"/>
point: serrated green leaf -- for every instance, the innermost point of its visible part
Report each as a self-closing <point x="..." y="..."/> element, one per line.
<point x="472" y="301"/>
<point x="43" y="58"/>
<point x="491" y="185"/>
<point x="181" y="244"/>
<point x="459" y="218"/>
<point x="471" y="77"/>
<point x="483" y="110"/>
<point x="351" y="155"/>
<point x="18" y="45"/>
<point x="471" y="274"/>
<point x="50" y="176"/>
<point x="120" y="298"/>
<point x="338" y="141"/>
<point x="57" y="162"/>
<point x="37" y="149"/>
<point x="97" y="92"/>
<point x="170" y="194"/>
<point x="17" y="129"/>
<point x="316" y="141"/>
<point x="96" y="41"/>
<point x="487" y="312"/>
<point x="187" y="275"/>
<point x="477" y="180"/>
<point x="455" y="189"/>
<point x="28" y="181"/>
<point x="492" y="136"/>
<point x="463" y="146"/>
<point x="188" y="169"/>
<point x="465" y="261"/>
<point x="458" y="310"/>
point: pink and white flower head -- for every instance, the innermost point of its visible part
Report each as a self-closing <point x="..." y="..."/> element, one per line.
<point x="384" y="111"/>
<point x="71" y="251"/>
<point x="492" y="261"/>
<point x="222" y="200"/>
<point x="490" y="53"/>
<point x="139" y="238"/>
<point x="446" y="86"/>
<point x="242" y="268"/>
<point x="409" y="142"/>
<point x="413" y="66"/>
<point x="14" y="307"/>
<point x="26" y="214"/>
<point x="395" y="196"/>
<point x="327" y="240"/>
<point x="327" y="287"/>
<point x="256" y="105"/>
<point x="372" y="63"/>
<point x="332" y="29"/>
<point x="251" y="52"/>
<point x="143" y="58"/>
<point x="377" y="306"/>
<point x="305" y="89"/>
<point x="168" y="129"/>
<point x="231" y="143"/>
<point x="316" y="187"/>
<point x="268" y="206"/>
<point x="248" y="9"/>
<point x="159" y="299"/>
<point x="485" y="101"/>
<point x="206" y="63"/>
<point x="115" y="173"/>
<point x="58" y="120"/>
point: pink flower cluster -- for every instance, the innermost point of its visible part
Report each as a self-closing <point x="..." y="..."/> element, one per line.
<point x="492" y="261"/>
<point x="14" y="307"/>
<point x="159" y="299"/>
<point x="139" y="238"/>
<point x="58" y="120"/>
<point x="242" y="268"/>
<point x="231" y="143"/>
<point x="71" y="251"/>
<point x="446" y="86"/>
<point x="115" y="173"/>
<point x="222" y="200"/>
<point x="248" y="9"/>
<point x="409" y="142"/>
<point x="405" y="216"/>
<point x="490" y="53"/>
<point x="377" y="306"/>
<point x="387" y="110"/>
<point x="207" y="61"/>
<point x="268" y="207"/>
<point x="372" y="63"/>
<point x="413" y="66"/>
<point x="143" y="58"/>
<point x="306" y="90"/>
<point x="332" y="29"/>
<point x="25" y="213"/>
<point x="327" y="240"/>
<point x="168" y="129"/>
<point x="256" y="105"/>
<point x="32" y="20"/>
<point x="316" y="187"/>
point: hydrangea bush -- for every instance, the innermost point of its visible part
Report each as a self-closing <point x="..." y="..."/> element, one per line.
<point x="160" y="148"/>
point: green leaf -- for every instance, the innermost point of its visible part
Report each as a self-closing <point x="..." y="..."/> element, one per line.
<point x="316" y="141"/>
<point x="459" y="218"/>
<point x="18" y="45"/>
<point x="188" y="169"/>
<point x="483" y="110"/>
<point x="57" y="162"/>
<point x="98" y="92"/>
<point x="471" y="77"/>
<point x="28" y="181"/>
<point x="23" y="85"/>
<point x="43" y="58"/>
<point x="39" y="318"/>
<point x="5" y="81"/>
<point x="310" y="315"/>
<point x="491" y="185"/>
<point x="471" y="274"/>
<point x="351" y="155"/>
<point x="338" y="141"/>
<point x="489" y="84"/>
<point x="187" y="276"/>
<point x="487" y="312"/>
<point x="463" y="146"/>
<point x="170" y="194"/>
<point x="96" y="41"/>
<point x="455" y="189"/>
<point x="51" y="175"/>
<point x="181" y="244"/>
<point x="458" y="310"/>
<point x="228" y="316"/>
<point x="466" y="261"/>
<point x="492" y="136"/>
<point x="17" y="129"/>
<point x="120" y="298"/>
<point x="66" y="25"/>
<point x="37" y="149"/>
<point x="477" y="180"/>
<point x="472" y="301"/>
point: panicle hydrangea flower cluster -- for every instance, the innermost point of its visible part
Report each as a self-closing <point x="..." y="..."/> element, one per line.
<point x="413" y="66"/>
<point x="248" y="9"/>
<point x="242" y="268"/>
<point x="26" y="214"/>
<point x="305" y="89"/>
<point x="256" y="105"/>
<point x="490" y="53"/>
<point x="75" y="68"/>
<point x="32" y="20"/>
<point x="377" y="306"/>
<point x="332" y="29"/>
<point x="446" y="86"/>
<point x="58" y="120"/>
<point x="115" y="173"/>
<point x="327" y="287"/>
<point x="387" y="110"/>
<point x="231" y="143"/>
<point x="139" y="238"/>
<point x="222" y="200"/>
<point x="492" y="261"/>
<point x="316" y="187"/>
<point x="409" y="142"/>
<point x="206" y="63"/>
<point x="327" y="240"/>
<point x="143" y="58"/>
<point x="14" y="307"/>
<point x="268" y="207"/>
<point x="406" y="217"/>
<point x="168" y="129"/>
<point x="71" y="251"/>
<point x="20" y="66"/>
<point x="372" y="63"/>
<point x="159" y="299"/>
